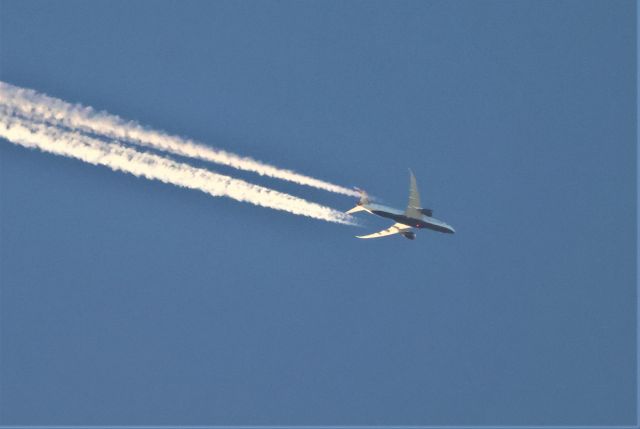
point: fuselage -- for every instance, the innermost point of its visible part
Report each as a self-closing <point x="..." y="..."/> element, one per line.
<point x="415" y="222"/>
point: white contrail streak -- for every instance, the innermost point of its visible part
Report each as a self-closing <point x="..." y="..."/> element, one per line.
<point x="77" y="117"/>
<point x="151" y="166"/>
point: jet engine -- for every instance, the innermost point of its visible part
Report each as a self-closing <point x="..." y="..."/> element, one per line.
<point x="427" y="212"/>
<point x="409" y="234"/>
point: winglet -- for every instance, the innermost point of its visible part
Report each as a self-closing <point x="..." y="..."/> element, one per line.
<point x="364" y="197"/>
<point x="364" y="200"/>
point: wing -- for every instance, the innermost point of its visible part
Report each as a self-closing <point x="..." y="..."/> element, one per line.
<point x="413" y="208"/>
<point x="396" y="228"/>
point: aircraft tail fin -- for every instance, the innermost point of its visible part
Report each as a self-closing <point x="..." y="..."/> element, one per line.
<point x="413" y="208"/>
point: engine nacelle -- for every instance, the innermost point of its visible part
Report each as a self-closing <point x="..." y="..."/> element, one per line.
<point x="427" y="212"/>
<point x="410" y="235"/>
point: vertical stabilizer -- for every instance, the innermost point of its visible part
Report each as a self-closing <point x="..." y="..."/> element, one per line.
<point x="413" y="208"/>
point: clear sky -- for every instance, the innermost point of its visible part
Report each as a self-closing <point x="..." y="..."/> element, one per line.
<point x="126" y="301"/>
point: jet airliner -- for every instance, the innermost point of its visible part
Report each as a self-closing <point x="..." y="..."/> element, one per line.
<point x="413" y="217"/>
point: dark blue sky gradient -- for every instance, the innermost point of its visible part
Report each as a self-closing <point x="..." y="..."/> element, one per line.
<point x="126" y="301"/>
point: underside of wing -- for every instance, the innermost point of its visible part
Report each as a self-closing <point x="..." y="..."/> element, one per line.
<point x="396" y="228"/>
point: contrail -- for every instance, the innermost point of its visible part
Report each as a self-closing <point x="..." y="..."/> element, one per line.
<point x="77" y="117"/>
<point x="120" y="158"/>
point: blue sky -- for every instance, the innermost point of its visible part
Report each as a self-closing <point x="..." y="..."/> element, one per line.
<point x="126" y="301"/>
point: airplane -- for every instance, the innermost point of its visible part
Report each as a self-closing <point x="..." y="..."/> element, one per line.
<point x="413" y="217"/>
